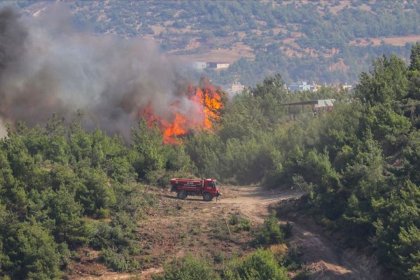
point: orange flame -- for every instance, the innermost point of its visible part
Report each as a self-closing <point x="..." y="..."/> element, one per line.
<point x="208" y="103"/>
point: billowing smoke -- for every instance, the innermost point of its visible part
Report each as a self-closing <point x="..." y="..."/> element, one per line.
<point x="47" y="66"/>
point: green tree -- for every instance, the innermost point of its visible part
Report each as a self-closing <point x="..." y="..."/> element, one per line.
<point x="397" y="238"/>
<point x="414" y="73"/>
<point x="271" y="232"/>
<point x="97" y="194"/>
<point x="69" y="226"/>
<point x="31" y="252"/>
<point x="150" y="155"/>
<point x="386" y="83"/>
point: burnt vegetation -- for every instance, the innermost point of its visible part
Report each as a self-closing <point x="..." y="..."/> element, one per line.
<point x="63" y="187"/>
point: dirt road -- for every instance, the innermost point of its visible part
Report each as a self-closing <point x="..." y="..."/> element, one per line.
<point x="322" y="257"/>
<point x="179" y="227"/>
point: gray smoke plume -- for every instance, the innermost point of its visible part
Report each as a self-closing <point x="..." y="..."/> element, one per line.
<point x="47" y="66"/>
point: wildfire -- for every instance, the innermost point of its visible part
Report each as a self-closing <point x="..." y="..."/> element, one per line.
<point x="207" y="101"/>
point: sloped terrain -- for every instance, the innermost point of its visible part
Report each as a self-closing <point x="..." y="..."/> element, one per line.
<point x="302" y="40"/>
<point x="180" y="227"/>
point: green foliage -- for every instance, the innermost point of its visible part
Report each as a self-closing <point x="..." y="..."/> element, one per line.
<point x="119" y="261"/>
<point x="204" y="150"/>
<point x="148" y="144"/>
<point x="28" y="251"/>
<point x="360" y="167"/>
<point x="397" y="237"/>
<point x="293" y="260"/>
<point x="96" y="193"/>
<point x="415" y="58"/>
<point x="153" y="161"/>
<point x="66" y="212"/>
<point x="53" y="181"/>
<point x="188" y="268"/>
<point x="386" y="83"/>
<point x="350" y="161"/>
<point x="259" y="265"/>
<point x="243" y="150"/>
<point x="270" y="233"/>
<point x="414" y="85"/>
<point x="239" y="223"/>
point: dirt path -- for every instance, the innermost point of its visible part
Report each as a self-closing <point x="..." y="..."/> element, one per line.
<point x="322" y="258"/>
<point x="192" y="226"/>
<point x="254" y="202"/>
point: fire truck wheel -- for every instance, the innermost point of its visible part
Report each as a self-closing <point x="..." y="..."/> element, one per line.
<point x="182" y="195"/>
<point x="207" y="197"/>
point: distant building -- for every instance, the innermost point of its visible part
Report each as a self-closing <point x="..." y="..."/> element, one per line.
<point x="303" y="86"/>
<point x="218" y="65"/>
<point x="318" y="106"/>
<point x="323" y="105"/>
<point x="199" y="65"/>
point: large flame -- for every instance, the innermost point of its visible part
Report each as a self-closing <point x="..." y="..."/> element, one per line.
<point x="207" y="103"/>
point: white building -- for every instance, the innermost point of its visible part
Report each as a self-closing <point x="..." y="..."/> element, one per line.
<point x="303" y="86"/>
<point x="199" y="65"/>
<point x="218" y="65"/>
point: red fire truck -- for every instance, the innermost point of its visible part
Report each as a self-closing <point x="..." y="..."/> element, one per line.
<point x="197" y="187"/>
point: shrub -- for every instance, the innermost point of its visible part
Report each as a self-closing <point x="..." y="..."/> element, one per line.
<point x="270" y="232"/>
<point x="259" y="265"/>
<point x="119" y="261"/>
<point x="293" y="258"/>
<point x="116" y="236"/>
<point x="287" y="229"/>
<point x="188" y="268"/>
<point x="240" y="223"/>
<point x="279" y="251"/>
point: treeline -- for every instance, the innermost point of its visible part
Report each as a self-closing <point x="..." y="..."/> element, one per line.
<point x="343" y="67"/>
<point x="359" y="163"/>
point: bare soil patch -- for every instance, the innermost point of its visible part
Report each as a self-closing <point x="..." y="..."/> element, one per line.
<point x="176" y="228"/>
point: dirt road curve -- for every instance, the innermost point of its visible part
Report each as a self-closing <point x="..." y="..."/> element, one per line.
<point x="322" y="258"/>
<point x="253" y="202"/>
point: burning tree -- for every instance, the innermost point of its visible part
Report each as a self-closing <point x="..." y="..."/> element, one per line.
<point x="206" y="104"/>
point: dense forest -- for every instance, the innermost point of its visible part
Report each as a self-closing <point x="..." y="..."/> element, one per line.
<point x="322" y="41"/>
<point x="64" y="187"/>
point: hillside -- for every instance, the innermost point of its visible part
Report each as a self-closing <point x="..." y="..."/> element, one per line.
<point x="324" y="41"/>
<point x="316" y="184"/>
<point x="79" y="202"/>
